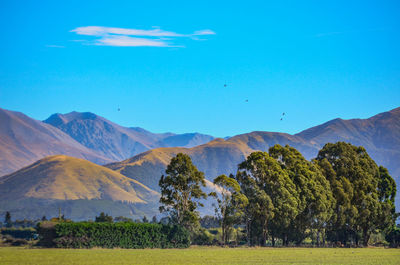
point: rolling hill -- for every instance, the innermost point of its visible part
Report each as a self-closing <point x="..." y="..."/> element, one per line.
<point x="24" y="140"/>
<point x="60" y="180"/>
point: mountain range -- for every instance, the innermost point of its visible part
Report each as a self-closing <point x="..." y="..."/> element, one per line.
<point x="83" y="135"/>
<point x="145" y="155"/>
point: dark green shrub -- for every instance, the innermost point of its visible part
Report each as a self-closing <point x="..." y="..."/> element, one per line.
<point x="122" y="235"/>
<point x="393" y="237"/>
<point x="203" y="237"/>
<point x="24" y="233"/>
<point x="47" y="233"/>
<point x="19" y="242"/>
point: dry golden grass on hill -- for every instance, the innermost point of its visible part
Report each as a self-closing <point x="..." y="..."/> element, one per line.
<point x="66" y="178"/>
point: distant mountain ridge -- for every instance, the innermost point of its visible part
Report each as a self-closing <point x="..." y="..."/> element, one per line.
<point x="117" y="142"/>
<point x="24" y="140"/>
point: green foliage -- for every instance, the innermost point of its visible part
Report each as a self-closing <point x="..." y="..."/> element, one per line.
<point x="209" y="221"/>
<point x="364" y="193"/>
<point x="181" y="191"/>
<point x="393" y="236"/>
<point x="7" y="219"/>
<point x="154" y="220"/>
<point x="203" y="237"/>
<point x="273" y="199"/>
<point x="104" y="218"/>
<point x="315" y="199"/>
<point x="122" y="219"/>
<point x="47" y="233"/>
<point x="121" y="235"/>
<point x="23" y="233"/>
<point x="386" y="186"/>
<point x="230" y="204"/>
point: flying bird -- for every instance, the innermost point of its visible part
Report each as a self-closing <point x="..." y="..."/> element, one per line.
<point x="283" y="114"/>
<point x="247" y="100"/>
<point x="119" y="109"/>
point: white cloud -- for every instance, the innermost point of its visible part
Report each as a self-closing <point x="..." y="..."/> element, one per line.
<point x="109" y="36"/>
<point x="99" y="31"/>
<point x="204" y="32"/>
<point x="126" y="41"/>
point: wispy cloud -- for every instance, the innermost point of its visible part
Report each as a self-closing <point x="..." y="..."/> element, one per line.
<point x="129" y="42"/>
<point x="123" y="37"/>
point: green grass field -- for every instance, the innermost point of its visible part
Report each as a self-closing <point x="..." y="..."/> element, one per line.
<point x="199" y="255"/>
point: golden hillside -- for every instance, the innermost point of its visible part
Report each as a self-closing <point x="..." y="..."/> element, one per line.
<point x="214" y="158"/>
<point x="62" y="177"/>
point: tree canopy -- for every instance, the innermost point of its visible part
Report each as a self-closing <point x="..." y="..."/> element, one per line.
<point x="230" y="203"/>
<point x="341" y="196"/>
<point x="364" y="192"/>
<point x="181" y="191"/>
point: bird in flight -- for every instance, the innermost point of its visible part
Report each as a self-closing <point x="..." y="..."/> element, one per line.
<point x="247" y="100"/>
<point x="119" y="109"/>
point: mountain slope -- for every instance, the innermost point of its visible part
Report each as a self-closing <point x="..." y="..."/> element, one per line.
<point x="67" y="178"/>
<point x="214" y="158"/>
<point x="114" y="141"/>
<point x="184" y="140"/>
<point x="24" y="140"/>
<point x="103" y="136"/>
<point x="61" y="180"/>
<point x="380" y="135"/>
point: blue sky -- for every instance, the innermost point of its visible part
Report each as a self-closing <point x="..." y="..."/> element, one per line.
<point x="165" y="63"/>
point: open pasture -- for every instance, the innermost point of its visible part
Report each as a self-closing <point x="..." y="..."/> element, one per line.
<point x="199" y="255"/>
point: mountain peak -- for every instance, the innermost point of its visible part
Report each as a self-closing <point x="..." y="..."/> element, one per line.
<point x="58" y="119"/>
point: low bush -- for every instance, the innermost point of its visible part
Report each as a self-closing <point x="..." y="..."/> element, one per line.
<point x="19" y="242"/>
<point x="23" y="233"/>
<point x="203" y="238"/>
<point x="112" y="235"/>
<point x="47" y="233"/>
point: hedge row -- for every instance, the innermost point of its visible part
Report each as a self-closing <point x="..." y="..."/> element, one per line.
<point x="121" y="235"/>
<point x="24" y="233"/>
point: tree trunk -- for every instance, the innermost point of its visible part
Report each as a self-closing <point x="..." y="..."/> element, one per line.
<point x="248" y="232"/>
<point x="265" y="233"/>
<point x="285" y="240"/>
<point x="366" y="236"/>
<point x="273" y="240"/>
<point x="223" y="234"/>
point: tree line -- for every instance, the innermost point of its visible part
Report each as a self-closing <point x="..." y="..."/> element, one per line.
<point x="341" y="196"/>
